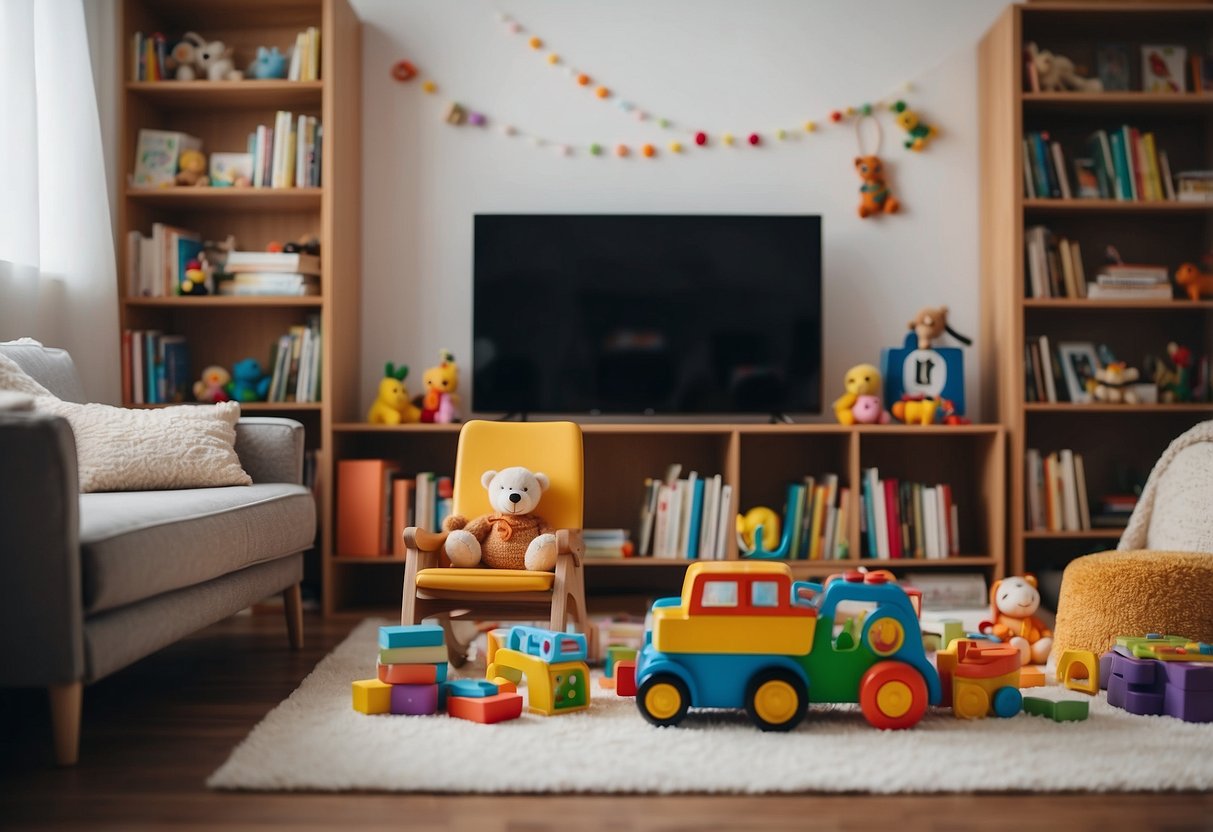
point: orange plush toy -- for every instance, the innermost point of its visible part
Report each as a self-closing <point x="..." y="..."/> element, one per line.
<point x="874" y="196"/>
<point x="1193" y="282"/>
<point x="1013" y="603"/>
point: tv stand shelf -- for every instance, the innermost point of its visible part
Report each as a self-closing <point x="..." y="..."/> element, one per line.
<point x="758" y="460"/>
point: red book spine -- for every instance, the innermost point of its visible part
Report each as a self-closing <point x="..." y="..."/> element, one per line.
<point x="893" y="515"/>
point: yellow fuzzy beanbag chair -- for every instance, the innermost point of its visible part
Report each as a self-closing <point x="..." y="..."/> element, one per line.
<point x="1132" y="593"/>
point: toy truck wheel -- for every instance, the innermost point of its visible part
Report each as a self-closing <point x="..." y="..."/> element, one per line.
<point x="1007" y="702"/>
<point x="663" y="699"/>
<point x="776" y="700"/>
<point x="970" y="701"/>
<point x="892" y="695"/>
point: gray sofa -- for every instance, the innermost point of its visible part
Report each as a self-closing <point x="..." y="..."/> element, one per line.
<point x="90" y="583"/>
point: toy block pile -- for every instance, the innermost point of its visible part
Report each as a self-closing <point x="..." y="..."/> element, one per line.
<point x="1160" y="675"/>
<point x="412" y="680"/>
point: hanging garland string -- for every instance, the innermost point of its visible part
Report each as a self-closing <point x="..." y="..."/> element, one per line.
<point x="458" y="114"/>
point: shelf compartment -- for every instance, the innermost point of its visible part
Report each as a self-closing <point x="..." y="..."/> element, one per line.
<point x="171" y="96"/>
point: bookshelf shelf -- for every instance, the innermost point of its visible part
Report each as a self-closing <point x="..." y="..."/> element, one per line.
<point x="1157" y="304"/>
<point x="757" y="460"/>
<point x="1117" y="444"/>
<point x="229" y="199"/>
<point x="172" y="96"/>
<point x="1112" y="206"/>
<point x="224" y="301"/>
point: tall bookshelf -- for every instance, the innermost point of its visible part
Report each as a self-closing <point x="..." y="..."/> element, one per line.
<point x="1113" y="438"/>
<point x="757" y="460"/>
<point x="223" y="330"/>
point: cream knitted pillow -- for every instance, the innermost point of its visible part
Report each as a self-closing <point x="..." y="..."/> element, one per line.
<point x="118" y="449"/>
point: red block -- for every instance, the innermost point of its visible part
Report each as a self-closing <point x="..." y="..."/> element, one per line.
<point x="408" y="674"/>
<point x="625" y="678"/>
<point x="486" y="709"/>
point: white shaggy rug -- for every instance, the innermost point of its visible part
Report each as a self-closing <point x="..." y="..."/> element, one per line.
<point x="315" y="741"/>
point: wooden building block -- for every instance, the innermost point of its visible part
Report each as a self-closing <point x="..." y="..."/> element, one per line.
<point x="412" y="674"/>
<point x="417" y="635"/>
<point x="372" y="696"/>
<point x="414" y="700"/>
<point x="486" y="709"/>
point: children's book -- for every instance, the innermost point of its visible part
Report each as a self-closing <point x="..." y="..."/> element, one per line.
<point x="156" y="155"/>
<point x="1162" y="68"/>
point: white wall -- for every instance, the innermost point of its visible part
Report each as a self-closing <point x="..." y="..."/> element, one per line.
<point x="719" y="64"/>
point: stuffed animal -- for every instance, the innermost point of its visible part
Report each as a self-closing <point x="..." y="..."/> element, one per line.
<point x="212" y="387"/>
<point x="510" y="538"/>
<point x="269" y="63"/>
<point x="192" y="169"/>
<point x="917" y="133"/>
<point x="1013" y="604"/>
<point x="214" y="59"/>
<point x="249" y="382"/>
<point x="1112" y="383"/>
<point x="182" y="59"/>
<point x="748" y="523"/>
<point x="1056" y="73"/>
<point x="930" y="323"/>
<point x="874" y="196"/>
<point x="861" y="382"/>
<point x="393" y="406"/>
<point x="1175" y="381"/>
<point x="441" y="382"/>
<point x="1194" y="283"/>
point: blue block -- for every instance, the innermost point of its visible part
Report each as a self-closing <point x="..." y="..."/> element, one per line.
<point x="474" y="688"/>
<point x="417" y="635"/>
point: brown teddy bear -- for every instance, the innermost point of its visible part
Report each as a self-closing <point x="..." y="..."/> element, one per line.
<point x="874" y="196"/>
<point x="930" y="323"/>
<point x="510" y="538"/>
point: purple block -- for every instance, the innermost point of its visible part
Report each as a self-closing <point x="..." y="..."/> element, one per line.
<point x="1105" y="670"/>
<point x="1183" y="690"/>
<point x="1191" y="676"/>
<point x="1136" y="671"/>
<point x="414" y="700"/>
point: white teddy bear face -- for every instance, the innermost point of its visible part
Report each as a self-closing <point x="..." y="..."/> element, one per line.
<point x="514" y="490"/>
<point x="1017" y="597"/>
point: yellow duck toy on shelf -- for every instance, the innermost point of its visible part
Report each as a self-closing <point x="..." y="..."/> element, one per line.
<point x="393" y="407"/>
<point x="860" y="404"/>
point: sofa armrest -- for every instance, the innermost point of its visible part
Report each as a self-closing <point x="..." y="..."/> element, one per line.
<point x="270" y="448"/>
<point x="41" y="612"/>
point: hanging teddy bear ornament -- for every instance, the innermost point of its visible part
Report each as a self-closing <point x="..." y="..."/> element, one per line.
<point x="874" y="195"/>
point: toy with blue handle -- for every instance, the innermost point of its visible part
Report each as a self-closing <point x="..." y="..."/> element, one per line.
<point x="779" y="552"/>
<point x="548" y="645"/>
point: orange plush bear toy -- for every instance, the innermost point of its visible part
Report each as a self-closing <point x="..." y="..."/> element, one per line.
<point x="874" y="196"/>
<point x="1013" y="603"/>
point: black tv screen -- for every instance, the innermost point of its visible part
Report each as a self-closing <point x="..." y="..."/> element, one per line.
<point x="645" y="314"/>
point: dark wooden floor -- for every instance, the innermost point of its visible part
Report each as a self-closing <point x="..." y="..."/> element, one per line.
<point x="153" y="733"/>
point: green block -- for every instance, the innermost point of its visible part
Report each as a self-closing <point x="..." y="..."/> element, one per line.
<point x="618" y="653"/>
<point x="1063" y="711"/>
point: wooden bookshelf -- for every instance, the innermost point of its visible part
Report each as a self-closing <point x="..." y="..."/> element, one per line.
<point x="221" y="329"/>
<point x="757" y="460"/>
<point x="1113" y="439"/>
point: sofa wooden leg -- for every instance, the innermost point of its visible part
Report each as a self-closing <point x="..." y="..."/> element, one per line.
<point x="293" y="604"/>
<point x="66" y="702"/>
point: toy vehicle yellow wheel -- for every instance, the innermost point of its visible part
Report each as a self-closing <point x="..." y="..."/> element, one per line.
<point x="776" y="700"/>
<point x="663" y="699"/>
<point x="892" y="695"/>
<point x="970" y="701"/>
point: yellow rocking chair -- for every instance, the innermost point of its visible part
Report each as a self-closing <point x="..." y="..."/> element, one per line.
<point x="431" y="589"/>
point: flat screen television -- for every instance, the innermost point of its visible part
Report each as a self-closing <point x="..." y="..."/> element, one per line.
<point x="646" y="314"/>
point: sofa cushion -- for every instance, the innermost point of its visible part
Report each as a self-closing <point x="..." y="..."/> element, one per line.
<point x="52" y="368"/>
<point x="138" y="544"/>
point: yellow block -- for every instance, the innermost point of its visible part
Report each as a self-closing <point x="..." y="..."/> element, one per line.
<point x="540" y="679"/>
<point x="485" y="580"/>
<point x="676" y="632"/>
<point x="494" y="640"/>
<point x="372" y="697"/>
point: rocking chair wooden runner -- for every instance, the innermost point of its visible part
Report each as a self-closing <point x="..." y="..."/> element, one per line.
<point x="431" y="589"/>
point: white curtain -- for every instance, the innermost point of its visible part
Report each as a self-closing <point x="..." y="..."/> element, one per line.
<point x="57" y="270"/>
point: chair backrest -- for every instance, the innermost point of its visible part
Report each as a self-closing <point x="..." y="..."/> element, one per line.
<point x="551" y="447"/>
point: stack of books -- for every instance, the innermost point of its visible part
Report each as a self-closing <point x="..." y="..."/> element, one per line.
<point x="1043" y="377"/>
<point x="1130" y="282"/>
<point x="907" y="519"/>
<point x="686" y="518"/>
<point x="607" y="543"/>
<point x="287" y="154"/>
<point x="1055" y="267"/>
<point x="1114" y="511"/>
<point x="1057" y="492"/>
<point x="271" y="273"/>
<point x="155" y="265"/>
<point x="305" y="58"/>
<point x="1123" y="164"/>
<point x="815" y="516"/>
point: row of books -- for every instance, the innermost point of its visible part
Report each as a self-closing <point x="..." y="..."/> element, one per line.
<point x="295" y="376"/>
<point x="1124" y="164"/>
<point x="305" y="57"/>
<point x="907" y="519"/>
<point x="607" y="543"/>
<point x="815" y="520"/>
<point x="270" y="273"/>
<point x="287" y="154"/>
<point x="376" y="503"/>
<point x="1056" y="486"/>
<point x="155" y="265"/>
<point x="1055" y="268"/>
<point x="686" y="518"/>
<point x="155" y="368"/>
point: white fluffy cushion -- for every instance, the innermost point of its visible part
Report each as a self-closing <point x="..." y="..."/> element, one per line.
<point x="139" y="450"/>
